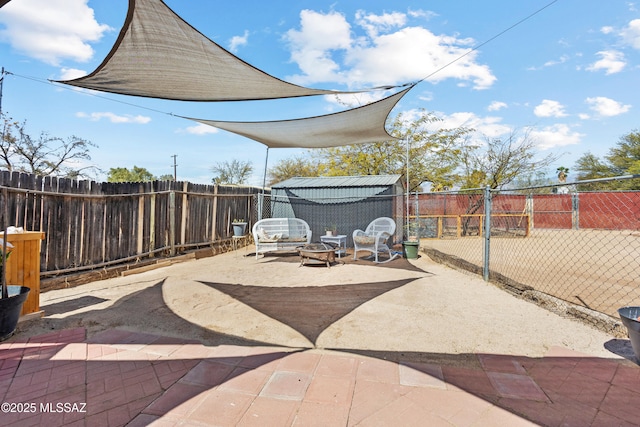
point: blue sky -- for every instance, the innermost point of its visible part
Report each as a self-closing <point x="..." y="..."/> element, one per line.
<point x="569" y="73"/>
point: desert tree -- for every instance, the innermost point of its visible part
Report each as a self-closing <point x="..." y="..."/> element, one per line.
<point x="233" y="172"/>
<point x="45" y="154"/>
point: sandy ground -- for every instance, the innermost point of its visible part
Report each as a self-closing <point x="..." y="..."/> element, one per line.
<point x="597" y="269"/>
<point x="402" y="307"/>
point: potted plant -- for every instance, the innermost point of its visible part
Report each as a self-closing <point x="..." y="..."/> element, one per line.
<point x="239" y="227"/>
<point x="331" y="230"/>
<point x="13" y="297"/>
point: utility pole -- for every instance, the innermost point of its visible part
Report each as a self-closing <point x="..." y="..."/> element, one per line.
<point x="1" y="81"/>
<point x="175" y="168"/>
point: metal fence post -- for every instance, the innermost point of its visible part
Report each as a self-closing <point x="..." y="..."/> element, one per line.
<point x="575" y="211"/>
<point x="529" y="209"/>
<point x="487" y="233"/>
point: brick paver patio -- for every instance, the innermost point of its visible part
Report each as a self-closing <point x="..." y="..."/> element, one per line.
<point x="120" y="378"/>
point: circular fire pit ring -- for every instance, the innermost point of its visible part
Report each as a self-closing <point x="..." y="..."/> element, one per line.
<point x="317" y="252"/>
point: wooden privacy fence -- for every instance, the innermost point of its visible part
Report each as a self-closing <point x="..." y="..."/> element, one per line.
<point x="89" y="224"/>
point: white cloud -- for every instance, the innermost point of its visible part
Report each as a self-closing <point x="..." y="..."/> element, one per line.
<point x="549" y="108"/>
<point x="631" y="34"/>
<point x="426" y="96"/>
<point x="343" y="101"/>
<point x="558" y="135"/>
<point x="606" y="30"/>
<point x="374" y="24"/>
<point x="51" y="30"/>
<point x="490" y="126"/>
<point x="561" y="60"/>
<point x="201" y="129"/>
<point x="311" y="46"/>
<point x="611" y="61"/>
<point x="71" y="73"/>
<point x="607" y="107"/>
<point x="419" y="13"/>
<point x="388" y="53"/>
<point x="496" y="106"/>
<point x="551" y="63"/>
<point x="114" y="118"/>
<point x="237" y="41"/>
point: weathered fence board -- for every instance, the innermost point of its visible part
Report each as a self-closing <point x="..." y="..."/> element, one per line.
<point x="89" y="224"/>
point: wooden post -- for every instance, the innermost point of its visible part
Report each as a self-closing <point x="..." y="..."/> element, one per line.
<point x="214" y="234"/>
<point x="172" y="223"/>
<point x="152" y="224"/>
<point x="185" y="210"/>
<point x="140" y="226"/>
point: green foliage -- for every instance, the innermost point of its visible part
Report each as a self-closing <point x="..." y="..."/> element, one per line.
<point x="538" y="179"/>
<point x="442" y="157"/>
<point x="290" y="168"/>
<point x="136" y="174"/>
<point x="562" y="172"/>
<point x="432" y="153"/>
<point x="622" y="159"/>
<point x="590" y="166"/>
<point x="502" y="161"/>
<point x="234" y="172"/>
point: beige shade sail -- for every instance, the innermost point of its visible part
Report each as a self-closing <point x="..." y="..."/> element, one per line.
<point x="159" y="55"/>
<point x="359" y="125"/>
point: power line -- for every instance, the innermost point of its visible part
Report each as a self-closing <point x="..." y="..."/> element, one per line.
<point x="489" y="40"/>
<point x="475" y="48"/>
<point x="89" y="92"/>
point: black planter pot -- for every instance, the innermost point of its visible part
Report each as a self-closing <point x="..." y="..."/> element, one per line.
<point x="10" y="309"/>
<point x="629" y="317"/>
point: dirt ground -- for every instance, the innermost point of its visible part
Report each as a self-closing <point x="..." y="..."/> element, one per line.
<point x="400" y="307"/>
<point x="596" y="269"/>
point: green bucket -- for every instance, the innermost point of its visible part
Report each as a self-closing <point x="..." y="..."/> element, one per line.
<point x="411" y="249"/>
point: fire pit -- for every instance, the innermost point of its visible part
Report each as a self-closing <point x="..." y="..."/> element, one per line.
<point x="317" y="252"/>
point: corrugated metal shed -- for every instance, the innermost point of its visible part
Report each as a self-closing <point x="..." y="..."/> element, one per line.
<point x="339" y="181"/>
<point x="349" y="202"/>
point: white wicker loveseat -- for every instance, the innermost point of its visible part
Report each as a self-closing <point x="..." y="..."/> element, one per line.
<point x="280" y="234"/>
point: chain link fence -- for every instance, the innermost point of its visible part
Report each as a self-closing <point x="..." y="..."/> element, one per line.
<point x="576" y="252"/>
<point x="573" y="248"/>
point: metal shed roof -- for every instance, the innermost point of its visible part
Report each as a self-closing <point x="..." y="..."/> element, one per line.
<point x="339" y="181"/>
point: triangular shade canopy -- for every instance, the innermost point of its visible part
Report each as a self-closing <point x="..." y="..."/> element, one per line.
<point x="356" y="126"/>
<point x="159" y="55"/>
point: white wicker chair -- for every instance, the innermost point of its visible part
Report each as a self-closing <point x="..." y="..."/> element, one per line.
<point x="374" y="238"/>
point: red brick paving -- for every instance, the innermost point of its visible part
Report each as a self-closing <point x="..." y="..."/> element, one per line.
<point x="120" y="378"/>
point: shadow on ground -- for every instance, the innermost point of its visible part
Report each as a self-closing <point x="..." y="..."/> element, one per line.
<point x="364" y="260"/>
<point x="547" y="390"/>
<point x="311" y="309"/>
